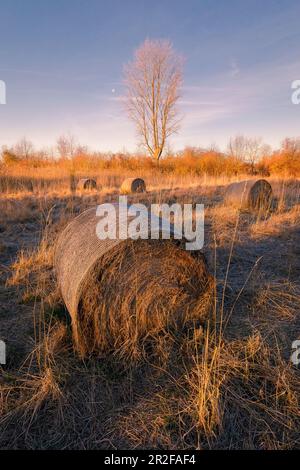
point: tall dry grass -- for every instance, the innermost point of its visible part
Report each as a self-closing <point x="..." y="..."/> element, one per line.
<point x="227" y="384"/>
<point x="191" y="167"/>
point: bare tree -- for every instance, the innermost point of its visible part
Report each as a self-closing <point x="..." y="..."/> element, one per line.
<point x="237" y="147"/>
<point x="24" y="149"/>
<point x="248" y="149"/>
<point x="153" y="81"/>
<point x="66" y="146"/>
<point x="291" y="145"/>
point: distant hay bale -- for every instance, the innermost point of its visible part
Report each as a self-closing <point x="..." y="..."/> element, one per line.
<point x="86" y="184"/>
<point x="121" y="293"/>
<point x="250" y="194"/>
<point x="133" y="185"/>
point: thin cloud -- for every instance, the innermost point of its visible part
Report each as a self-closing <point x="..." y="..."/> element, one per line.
<point x="234" y="69"/>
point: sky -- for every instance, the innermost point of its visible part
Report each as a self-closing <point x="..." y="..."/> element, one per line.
<point x="62" y="63"/>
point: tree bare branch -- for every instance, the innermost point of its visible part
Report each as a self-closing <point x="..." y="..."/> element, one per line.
<point x="153" y="82"/>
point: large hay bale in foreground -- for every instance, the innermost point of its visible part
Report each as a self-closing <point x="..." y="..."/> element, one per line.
<point x="121" y="292"/>
<point x="250" y="194"/>
<point x="86" y="184"/>
<point x="133" y="185"/>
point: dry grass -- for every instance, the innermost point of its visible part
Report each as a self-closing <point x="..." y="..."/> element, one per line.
<point x="228" y="383"/>
<point x="57" y="179"/>
<point x="139" y="297"/>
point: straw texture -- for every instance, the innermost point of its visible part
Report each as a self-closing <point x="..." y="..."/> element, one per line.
<point x="133" y="185"/>
<point x="121" y="291"/>
<point x="250" y="194"/>
<point x="86" y="183"/>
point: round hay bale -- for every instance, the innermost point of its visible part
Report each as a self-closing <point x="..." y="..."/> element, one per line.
<point x="121" y="293"/>
<point x="250" y="194"/>
<point x="133" y="185"/>
<point x="86" y="184"/>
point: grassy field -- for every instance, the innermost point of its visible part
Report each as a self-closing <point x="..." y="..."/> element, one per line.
<point x="228" y="384"/>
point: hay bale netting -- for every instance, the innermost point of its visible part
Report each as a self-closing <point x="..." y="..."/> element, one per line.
<point x="133" y="185"/>
<point x="122" y="293"/>
<point x="86" y="184"/>
<point x="250" y="194"/>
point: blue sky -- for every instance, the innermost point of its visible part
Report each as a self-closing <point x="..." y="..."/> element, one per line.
<point x="61" y="60"/>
